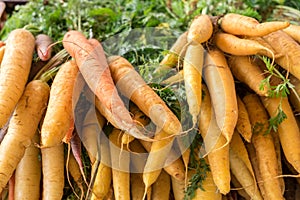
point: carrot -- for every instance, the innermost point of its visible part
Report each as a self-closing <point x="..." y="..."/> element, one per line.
<point x="178" y="77"/>
<point x="59" y="112"/>
<point x="214" y="141"/>
<point x="243" y="125"/>
<point x="283" y="44"/>
<point x="295" y="94"/>
<point x="236" y="184"/>
<point x="15" y="68"/>
<point x="94" y="68"/>
<point x="173" y="165"/>
<point x="264" y="147"/>
<point x="139" y="117"/>
<point x="132" y="85"/>
<point x="171" y="59"/>
<point x="220" y="83"/>
<point x="293" y="31"/>
<point x="120" y="166"/>
<point x="158" y="154"/>
<point x="28" y="173"/>
<point x="162" y="187"/>
<point x="248" y="72"/>
<point x="242" y="174"/>
<point x="200" y="30"/>
<point x="22" y="127"/>
<point x="192" y="75"/>
<point x="137" y="186"/>
<point x="92" y="127"/>
<point x="42" y="45"/>
<point x="178" y="188"/>
<point x="2" y="51"/>
<point x="254" y="162"/>
<point x="11" y="187"/>
<point x="240" y="47"/>
<point x="288" y="129"/>
<point x="237" y="24"/>
<point x="53" y="172"/>
<point x="208" y="190"/>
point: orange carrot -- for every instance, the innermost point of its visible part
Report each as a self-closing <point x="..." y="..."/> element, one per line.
<point x="200" y="30"/>
<point x="293" y="31"/>
<point x="28" y="173"/>
<point x="288" y="129"/>
<point x="15" y="69"/>
<point x="237" y="24"/>
<point x="264" y="147"/>
<point x="59" y="112"/>
<point x="240" y="47"/>
<point x="131" y="84"/>
<point x="92" y="64"/>
<point x="220" y="83"/>
<point x="171" y="59"/>
<point x="214" y="141"/>
<point x="248" y="72"/>
<point x="243" y="125"/>
<point x="283" y="44"/>
<point x="22" y="127"/>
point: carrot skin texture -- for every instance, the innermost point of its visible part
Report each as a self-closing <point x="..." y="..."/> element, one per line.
<point x="200" y="30"/>
<point x="240" y="47"/>
<point x="59" y="112"/>
<point x="90" y="57"/>
<point x="15" y="68"/>
<point x="237" y="24"/>
<point x="293" y="31"/>
<point x="283" y="44"/>
<point x="161" y="188"/>
<point x="131" y="84"/>
<point x="248" y="72"/>
<point x="220" y="84"/>
<point x="264" y="147"/>
<point x="288" y="130"/>
<point x="28" y="112"/>
<point x="53" y="172"/>
<point x="243" y="125"/>
<point x="28" y="173"/>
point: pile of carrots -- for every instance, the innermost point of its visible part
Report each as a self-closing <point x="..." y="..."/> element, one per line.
<point x="242" y="86"/>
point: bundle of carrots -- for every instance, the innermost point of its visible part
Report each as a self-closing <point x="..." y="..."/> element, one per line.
<point x="242" y="87"/>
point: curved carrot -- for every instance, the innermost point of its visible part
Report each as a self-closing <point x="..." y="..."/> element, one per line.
<point x="93" y="66"/>
<point x="237" y="24"/>
<point x="132" y="85"/>
<point x="15" y="69"/>
<point x="22" y="127"/>
<point x="240" y="47"/>
<point x="246" y="71"/>
<point x="59" y="112"/>
<point x="293" y="31"/>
